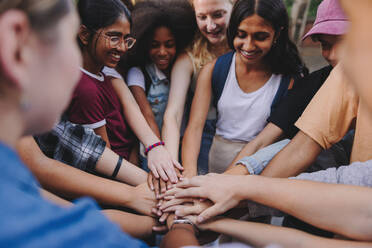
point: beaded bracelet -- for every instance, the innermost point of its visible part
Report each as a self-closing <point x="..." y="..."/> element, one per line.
<point x="148" y="149"/>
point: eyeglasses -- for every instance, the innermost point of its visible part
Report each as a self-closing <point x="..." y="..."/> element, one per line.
<point x="116" y="40"/>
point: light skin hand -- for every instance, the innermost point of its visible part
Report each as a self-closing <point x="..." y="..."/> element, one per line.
<point x="143" y="199"/>
<point x="162" y="165"/>
<point x="223" y="197"/>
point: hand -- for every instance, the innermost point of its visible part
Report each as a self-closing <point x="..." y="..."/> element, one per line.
<point x="181" y="209"/>
<point x="159" y="186"/>
<point x="224" y="195"/>
<point x="162" y="165"/>
<point x="142" y="200"/>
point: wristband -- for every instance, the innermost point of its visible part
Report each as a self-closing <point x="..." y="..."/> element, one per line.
<point x="148" y="149"/>
<point x="117" y="168"/>
<point x="185" y="221"/>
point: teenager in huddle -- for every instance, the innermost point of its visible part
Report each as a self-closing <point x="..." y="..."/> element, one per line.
<point x="212" y="17"/>
<point x="40" y="54"/>
<point x="259" y="72"/>
<point x="95" y="102"/>
<point x="162" y="30"/>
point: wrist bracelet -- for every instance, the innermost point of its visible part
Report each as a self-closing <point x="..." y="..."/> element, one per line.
<point x="185" y="221"/>
<point x="117" y="168"/>
<point x="148" y="149"/>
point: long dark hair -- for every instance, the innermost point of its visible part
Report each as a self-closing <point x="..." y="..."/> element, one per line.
<point x="283" y="58"/>
<point x="177" y="15"/>
<point x="97" y="14"/>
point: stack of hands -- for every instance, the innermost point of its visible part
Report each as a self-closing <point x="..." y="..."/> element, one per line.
<point x="199" y="198"/>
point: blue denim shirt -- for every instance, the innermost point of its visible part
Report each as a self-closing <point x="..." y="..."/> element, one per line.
<point x="158" y="93"/>
<point x="29" y="220"/>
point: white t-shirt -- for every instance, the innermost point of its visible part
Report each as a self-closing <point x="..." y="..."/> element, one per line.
<point x="135" y="77"/>
<point x="242" y="116"/>
<point x="111" y="72"/>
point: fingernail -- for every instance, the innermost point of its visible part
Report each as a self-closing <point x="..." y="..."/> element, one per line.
<point x="200" y="219"/>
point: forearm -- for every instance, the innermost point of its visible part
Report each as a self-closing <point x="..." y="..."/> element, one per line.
<point x="321" y="209"/>
<point x="190" y="150"/>
<point x="171" y="134"/>
<point x="137" y="226"/>
<point x="73" y="183"/>
<point x="294" y="158"/>
<point x="56" y="199"/>
<point x="261" y="235"/>
<point x="270" y="134"/>
<point x="128" y="173"/>
<point x="133" y="114"/>
<point x="139" y="125"/>
<point x="180" y="235"/>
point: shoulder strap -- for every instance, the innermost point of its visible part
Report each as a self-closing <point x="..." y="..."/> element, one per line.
<point x="219" y="75"/>
<point x="282" y="91"/>
<point x="148" y="80"/>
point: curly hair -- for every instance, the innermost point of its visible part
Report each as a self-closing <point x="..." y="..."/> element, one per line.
<point x="283" y="58"/>
<point x="177" y="15"/>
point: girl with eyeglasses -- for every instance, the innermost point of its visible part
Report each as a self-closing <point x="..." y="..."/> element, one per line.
<point x="101" y="101"/>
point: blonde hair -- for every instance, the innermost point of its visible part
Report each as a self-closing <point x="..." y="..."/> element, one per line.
<point x="42" y="14"/>
<point x="201" y="49"/>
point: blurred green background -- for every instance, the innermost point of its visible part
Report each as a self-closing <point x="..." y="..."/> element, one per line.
<point x="313" y="7"/>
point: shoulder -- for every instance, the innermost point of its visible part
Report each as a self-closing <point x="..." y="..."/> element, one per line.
<point x="135" y="77"/>
<point x="135" y="70"/>
<point x="184" y="59"/>
<point x="320" y="74"/>
<point x="111" y="72"/>
<point x="87" y="86"/>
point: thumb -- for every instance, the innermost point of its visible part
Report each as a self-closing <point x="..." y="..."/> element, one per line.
<point x="210" y="212"/>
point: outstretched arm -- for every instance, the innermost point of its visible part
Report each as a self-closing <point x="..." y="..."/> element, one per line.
<point x="294" y="158"/>
<point x="262" y="235"/>
<point x="180" y="81"/>
<point x="179" y="235"/>
<point x="198" y="115"/>
<point x="342" y="209"/>
<point x="70" y="182"/>
<point x="160" y="162"/>
<point x="267" y="136"/>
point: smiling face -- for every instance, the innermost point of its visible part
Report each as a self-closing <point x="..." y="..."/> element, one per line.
<point x="212" y="17"/>
<point x="162" y="48"/>
<point x="99" y="51"/>
<point x="253" y="40"/>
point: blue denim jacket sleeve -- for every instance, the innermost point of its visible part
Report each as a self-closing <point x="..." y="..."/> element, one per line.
<point x="257" y="162"/>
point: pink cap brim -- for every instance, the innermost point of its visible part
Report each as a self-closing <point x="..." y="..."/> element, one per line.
<point x="331" y="27"/>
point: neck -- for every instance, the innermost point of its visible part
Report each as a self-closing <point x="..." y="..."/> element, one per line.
<point x="90" y="64"/>
<point x="11" y="124"/>
<point x="257" y="67"/>
<point x="219" y="48"/>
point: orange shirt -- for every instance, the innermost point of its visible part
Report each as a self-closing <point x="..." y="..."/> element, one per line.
<point x="333" y="111"/>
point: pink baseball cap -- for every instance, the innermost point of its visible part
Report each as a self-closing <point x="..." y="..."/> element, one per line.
<point x="330" y="19"/>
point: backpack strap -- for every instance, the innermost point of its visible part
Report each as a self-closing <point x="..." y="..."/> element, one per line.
<point x="282" y="91"/>
<point x="219" y="75"/>
<point x="148" y="80"/>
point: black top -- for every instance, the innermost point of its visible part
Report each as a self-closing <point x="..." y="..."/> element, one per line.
<point x="294" y="104"/>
